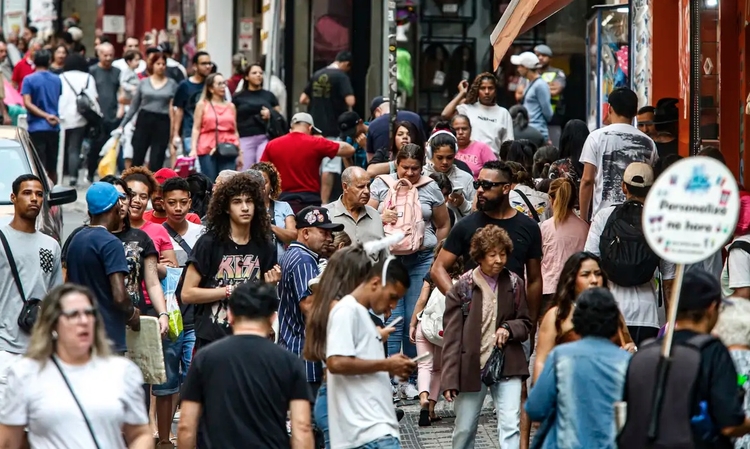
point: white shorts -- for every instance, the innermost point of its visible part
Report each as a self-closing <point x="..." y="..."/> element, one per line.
<point x="7" y="360"/>
<point x="331" y="164"/>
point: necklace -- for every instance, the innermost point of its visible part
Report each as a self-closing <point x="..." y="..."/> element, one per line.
<point x="98" y="226"/>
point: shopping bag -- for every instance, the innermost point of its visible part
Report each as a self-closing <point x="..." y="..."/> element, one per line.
<point x="108" y="164"/>
<point x="169" y="285"/>
<point x="145" y="350"/>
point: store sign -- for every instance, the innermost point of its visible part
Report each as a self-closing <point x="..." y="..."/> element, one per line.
<point x="246" y="34"/>
<point x="691" y="210"/>
<point x="113" y="24"/>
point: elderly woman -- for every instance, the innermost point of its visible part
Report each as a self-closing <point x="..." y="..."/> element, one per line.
<point x="485" y="309"/>
<point x="69" y="391"/>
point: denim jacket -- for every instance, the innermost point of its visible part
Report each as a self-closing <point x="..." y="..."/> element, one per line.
<point x="577" y="391"/>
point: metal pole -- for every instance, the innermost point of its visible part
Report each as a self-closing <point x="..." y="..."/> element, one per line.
<point x="392" y="67"/>
<point x="695" y="76"/>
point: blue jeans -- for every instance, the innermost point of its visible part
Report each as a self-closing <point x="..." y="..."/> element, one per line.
<point x="387" y="442"/>
<point x="320" y="413"/>
<point x="417" y="264"/>
<point x="211" y="166"/>
<point x="188" y="343"/>
<point x="172" y="356"/>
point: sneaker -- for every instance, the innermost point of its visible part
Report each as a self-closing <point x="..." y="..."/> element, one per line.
<point x="409" y="391"/>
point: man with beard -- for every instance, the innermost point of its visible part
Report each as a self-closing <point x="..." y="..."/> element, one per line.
<point x="361" y="222"/>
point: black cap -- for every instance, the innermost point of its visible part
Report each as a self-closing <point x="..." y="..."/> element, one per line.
<point x="699" y="290"/>
<point x="376" y="102"/>
<point x="316" y="217"/>
<point x="348" y="122"/>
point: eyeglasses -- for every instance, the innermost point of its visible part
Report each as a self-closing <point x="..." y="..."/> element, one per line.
<point x="487" y="185"/>
<point x="221" y="84"/>
<point x="89" y="312"/>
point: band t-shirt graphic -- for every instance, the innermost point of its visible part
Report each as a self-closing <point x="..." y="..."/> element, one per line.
<point x="137" y="246"/>
<point x="328" y="89"/>
<point x="222" y="263"/>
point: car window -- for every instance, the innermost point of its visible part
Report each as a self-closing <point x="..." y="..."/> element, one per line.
<point x="14" y="164"/>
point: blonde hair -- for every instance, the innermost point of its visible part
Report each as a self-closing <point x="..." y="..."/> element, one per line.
<point x="733" y="326"/>
<point x="563" y="193"/>
<point x="42" y="345"/>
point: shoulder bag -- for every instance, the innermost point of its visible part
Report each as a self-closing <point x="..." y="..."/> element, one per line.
<point x="78" y="403"/>
<point x="177" y="238"/>
<point x="525" y="199"/>
<point x="31" y="306"/>
<point x="224" y="149"/>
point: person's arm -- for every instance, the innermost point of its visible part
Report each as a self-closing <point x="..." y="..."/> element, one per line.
<point x="439" y="271"/>
<point x="351" y="366"/>
<point x="135" y="105"/>
<point x="668" y="271"/>
<point x="586" y="190"/>
<point x="738" y="272"/>
<point x="138" y="437"/>
<point x="378" y="168"/>
<point x="178" y="114"/>
<point x="197" y="123"/>
<point x="35" y="110"/>
<point x="167" y="258"/>
<point x="122" y="100"/>
<point x="534" y="289"/>
<point x="301" y="423"/>
<point x="545" y="101"/>
<point x="287" y="235"/>
<point x="595" y="233"/>
<point x="12" y="437"/>
<point x="345" y="150"/>
<point x="155" y="292"/>
<point x="450" y="109"/>
<point x="193" y="294"/>
<point x="190" y="413"/>
<point x="542" y="399"/>
<point x="545" y="342"/>
<point x="424" y="296"/>
<point x="122" y="301"/>
<point x="442" y="221"/>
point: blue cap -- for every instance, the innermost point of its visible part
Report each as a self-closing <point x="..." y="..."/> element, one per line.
<point x="102" y="197"/>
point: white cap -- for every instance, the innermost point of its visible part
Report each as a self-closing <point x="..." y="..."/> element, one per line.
<point x="526" y="59"/>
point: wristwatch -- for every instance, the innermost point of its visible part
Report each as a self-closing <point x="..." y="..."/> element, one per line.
<point x="165" y="314"/>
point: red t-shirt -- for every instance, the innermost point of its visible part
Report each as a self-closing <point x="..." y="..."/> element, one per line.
<point x="23" y="69"/>
<point x="297" y="157"/>
<point x="149" y="216"/>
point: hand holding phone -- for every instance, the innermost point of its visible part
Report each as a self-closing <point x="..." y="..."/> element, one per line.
<point x="395" y="322"/>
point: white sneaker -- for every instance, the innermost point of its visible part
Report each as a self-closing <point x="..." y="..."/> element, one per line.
<point x="409" y="391"/>
<point x="397" y="393"/>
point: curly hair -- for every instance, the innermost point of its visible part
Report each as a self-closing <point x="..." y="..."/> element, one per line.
<point x="565" y="295"/>
<point x="487" y="239"/>
<point x="274" y="177"/>
<point x="733" y="327"/>
<point x="473" y="94"/>
<point x="596" y="314"/>
<point x="141" y="174"/>
<point x="218" y="209"/>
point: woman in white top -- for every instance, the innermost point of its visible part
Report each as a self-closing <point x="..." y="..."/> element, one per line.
<point x="75" y="79"/>
<point x="69" y="391"/>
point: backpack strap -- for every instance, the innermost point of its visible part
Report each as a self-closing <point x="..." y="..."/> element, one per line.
<point x="71" y="86"/>
<point x="388" y="180"/>
<point x="528" y="202"/>
<point x="423" y="181"/>
<point x="737" y="244"/>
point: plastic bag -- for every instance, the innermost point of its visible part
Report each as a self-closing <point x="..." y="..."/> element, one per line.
<point x="169" y="285"/>
<point x="108" y="164"/>
<point x="493" y="370"/>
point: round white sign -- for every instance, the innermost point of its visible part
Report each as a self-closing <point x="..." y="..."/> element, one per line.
<point x="691" y="210"/>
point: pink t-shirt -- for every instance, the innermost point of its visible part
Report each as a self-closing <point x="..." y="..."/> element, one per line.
<point x="160" y="236"/>
<point x="475" y="155"/>
<point x="558" y="244"/>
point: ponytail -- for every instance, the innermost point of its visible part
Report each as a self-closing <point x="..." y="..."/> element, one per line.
<point x="563" y="193"/>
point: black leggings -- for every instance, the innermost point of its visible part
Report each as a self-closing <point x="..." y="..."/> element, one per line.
<point x="151" y="130"/>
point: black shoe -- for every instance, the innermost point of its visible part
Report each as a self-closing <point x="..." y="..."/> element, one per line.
<point x="399" y="414"/>
<point x="424" y="418"/>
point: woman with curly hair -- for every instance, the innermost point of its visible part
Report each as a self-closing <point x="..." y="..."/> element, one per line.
<point x="498" y="318"/>
<point x="283" y="224"/>
<point x="582" y="271"/>
<point x="235" y="249"/>
<point x="491" y="123"/>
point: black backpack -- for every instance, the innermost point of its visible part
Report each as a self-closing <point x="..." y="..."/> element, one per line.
<point x="626" y="257"/>
<point x="85" y="105"/>
<point x="277" y="125"/>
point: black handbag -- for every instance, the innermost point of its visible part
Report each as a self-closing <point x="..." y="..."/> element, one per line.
<point x="32" y="306"/>
<point x="224" y="149"/>
<point x="493" y="369"/>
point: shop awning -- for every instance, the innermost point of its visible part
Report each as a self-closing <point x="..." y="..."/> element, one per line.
<point x="519" y="17"/>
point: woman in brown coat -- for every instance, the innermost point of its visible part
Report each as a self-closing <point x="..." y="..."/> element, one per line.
<point x="486" y="308"/>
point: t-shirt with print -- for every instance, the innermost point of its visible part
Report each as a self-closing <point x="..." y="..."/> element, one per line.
<point x="327" y="90"/>
<point x="107" y="85"/>
<point x="256" y="380"/>
<point x="249" y="103"/>
<point x="539" y="200"/>
<point x="221" y="263"/>
<point x="44" y="88"/>
<point x="475" y="155"/>
<point x="301" y="173"/>
<point x="736" y="272"/>
<point x="360" y="405"/>
<point x="638" y="304"/>
<point x="138" y="246"/>
<point x="610" y="150"/>
<point x="523" y="231"/>
<point x="91" y="255"/>
<point x="37" y="258"/>
<point x="186" y="97"/>
<point x="430" y="197"/>
<point x="492" y="125"/>
<point x="149" y="216"/>
<point x="193" y="233"/>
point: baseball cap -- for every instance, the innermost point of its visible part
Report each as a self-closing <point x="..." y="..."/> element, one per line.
<point x="699" y="290"/>
<point x="543" y="50"/>
<point x="101" y="197"/>
<point x="304" y="117"/>
<point x="638" y="174"/>
<point x="316" y="217"/>
<point x="526" y="59"/>
<point x="348" y="122"/>
<point x="163" y="174"/>
<point x="377" y="102"/>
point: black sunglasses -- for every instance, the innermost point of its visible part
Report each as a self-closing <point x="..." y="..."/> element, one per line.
<point x="487" y="185"/>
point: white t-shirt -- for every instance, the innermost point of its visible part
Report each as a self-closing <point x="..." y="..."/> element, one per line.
<point x="539" y="200"/>
<point x="638" y="304"/>
<point x="69" y="116"/>
<point x="109" y="389"/>
<point x="194" y="231"/>
<point x="361" y="406"/>
<point x="736" y="272"/>
<point x="491" y="125"/>
<point x="123" y="65"/>
<point x="611" y="149"/>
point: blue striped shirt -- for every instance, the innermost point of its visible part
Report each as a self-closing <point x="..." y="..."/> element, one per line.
<point x="298" y="266"/>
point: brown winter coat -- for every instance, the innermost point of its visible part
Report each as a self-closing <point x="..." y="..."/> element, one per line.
<point x="462" y="335"/>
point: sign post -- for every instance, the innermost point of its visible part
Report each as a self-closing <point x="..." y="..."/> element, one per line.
<point x="690" y="213"/>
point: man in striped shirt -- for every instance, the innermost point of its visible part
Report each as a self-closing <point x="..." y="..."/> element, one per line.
<point x="298" y="266"/>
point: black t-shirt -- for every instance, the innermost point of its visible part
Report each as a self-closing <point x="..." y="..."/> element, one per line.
<point x="378" y="134"/>
<point x="667" y="148"/>
<point x="523" y="231"/>
<point x="717" y="385"/>
<point x="328" y="89"/>
<point x="254" y="379"/>
<point x="221" y="263"/>
<point x="138" y="246"/>
<point x="249" y="103"/>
